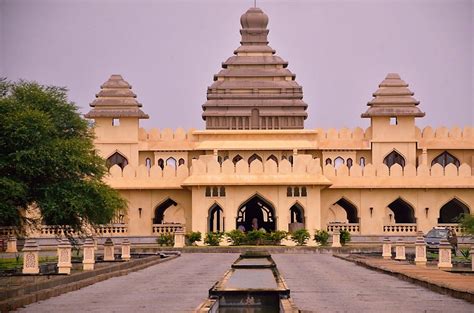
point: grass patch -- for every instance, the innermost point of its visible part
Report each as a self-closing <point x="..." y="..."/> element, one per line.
<point x="11" y="263"/>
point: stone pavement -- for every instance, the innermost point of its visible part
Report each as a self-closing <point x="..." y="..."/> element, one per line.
<point x="323" y="283"/>
<point x="456" y="284"/>
<point x="178" y="285"/>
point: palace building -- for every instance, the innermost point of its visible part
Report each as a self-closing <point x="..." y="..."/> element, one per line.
<point x="255" y="159"/>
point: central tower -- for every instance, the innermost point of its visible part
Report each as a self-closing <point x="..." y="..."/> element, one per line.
<point x="254" y="89"/>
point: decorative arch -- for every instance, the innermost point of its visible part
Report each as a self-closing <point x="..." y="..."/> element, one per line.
<point x="451" y="211"/>
<point x="181" y="161"/>
<point x="394" y="158"/>
<point x="171" y="162"/>
<point x="216" y="218"/>
<point x="349" y="162"/>
<point x="328" y="161"/>
<point x="362" y="162"/>
<point x="161" y="163"/>
<point x="274" y="158"/>
<point x="338" y="162"/>
<point x="254" y="157"/>
<point x="350" y="208"/>
<point x="148" y="163"/>
<point x="237" y="158"/>
<point x="446" y="158"/>
<point x="403" y="211"/>
<point x="116" y="159"/>
<point x="160" y="210"/>
<point x="297" y="213"/>
<point x="256" y="207"/>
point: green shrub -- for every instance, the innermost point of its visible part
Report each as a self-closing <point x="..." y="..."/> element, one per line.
<point x="193" y="237"/>
<point x="300" y="237"/>
<point x="345" y="237"/>
<point x="276" y="236"/>
<point x="465" y="253"/>
<point x="236" y="237"/>
<point x="321" y="237"/>
<point x="255" y="236"/>
<point x="213" y="239"/>
<point x="165" y="240"/>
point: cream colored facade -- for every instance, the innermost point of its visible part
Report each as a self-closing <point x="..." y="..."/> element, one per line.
<point x="389" y="179"/>
<point x="207" y="157"/>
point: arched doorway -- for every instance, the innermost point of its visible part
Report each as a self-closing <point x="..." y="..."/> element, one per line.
<point x="256" y="208"/>
<point x="216" y="218"/>
<point x="160" y="210"/>
<point x="349" y="208"/>
<point x="116" y="159"/>
<point x="452" y="211"/>
<point x="296" y="218"/>
<point x="402" y="211"/>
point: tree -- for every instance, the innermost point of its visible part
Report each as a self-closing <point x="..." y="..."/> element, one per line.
<point x="48" y="161"/>
<point x="467" y="224"/>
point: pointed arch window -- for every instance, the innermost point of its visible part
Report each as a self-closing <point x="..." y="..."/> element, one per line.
<point x="254" y="157"/>
<point x="148" y="163"/>
<point x="304" y="193"/>
<point x="116" y="159"/>
<point x="296" y="192"/>
<point x="349" y="162"/>
<point x="289" y="192"/>
<point x="328" y="161"/>
<point x="394" y="158"/>
<point x="161" y="163"/>
<point x="171" y="162"/>
<point x="181" y="161"/>
<point x="274" y="158"/>
<point x="236" y="159"/>
<point x="216" y="219"/>
<point x="338" y="162"/>
<point x="362" y="162"/>
<point x="446" y="158"/>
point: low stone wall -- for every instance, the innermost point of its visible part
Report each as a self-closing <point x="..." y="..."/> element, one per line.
<point x="24" y="295"/>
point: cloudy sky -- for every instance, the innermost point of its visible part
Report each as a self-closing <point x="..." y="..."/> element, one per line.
<point x="169" y="50"/>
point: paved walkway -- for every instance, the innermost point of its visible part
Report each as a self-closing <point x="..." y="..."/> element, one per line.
<point x="323" y="283"/>
<point x="318" y="283"/>
<point x="175" y="286"/>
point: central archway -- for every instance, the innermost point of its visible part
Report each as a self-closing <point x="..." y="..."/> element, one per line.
<point x="256" y="208"/>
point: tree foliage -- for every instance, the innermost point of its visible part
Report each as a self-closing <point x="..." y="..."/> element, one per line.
<point x="48" y="161"/>
<point x="467" y="224"/>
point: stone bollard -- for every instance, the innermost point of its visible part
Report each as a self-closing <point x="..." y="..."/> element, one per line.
<point x="386" y="249"/>
<point x="400" y="250"/>
<point x="420" y="250"/>
<point x="444" y="255"/>
<point x="179" y="238"/>
<point x="30" y="257"/>
<point x="109" y="250"/>
<point x="336" y="239"/>
<point x="64" y="257"/>
<point x="88" y="260"/>
<point x="125" y="250"/>
<point x="11" y="245"/>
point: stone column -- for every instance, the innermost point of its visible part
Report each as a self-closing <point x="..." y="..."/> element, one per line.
<point x="420" y="250"/>
<point x="30" y="257"/>
<point x="11" y="245"/>
<point x="109" y="250"/>
<point x="64" y="257"/>
<point x="179" y="239"/>
<point x="336" y="239"/>
<point x="471" y="252"/>
<point x="386" y="249"/>
<point x="126" y="250"/>
<point x="444" y="256"/>
<point x="88" y="255"/>
<point x="400" y="250"/>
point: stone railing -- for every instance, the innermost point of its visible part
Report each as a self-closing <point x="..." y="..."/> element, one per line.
<point x="454" y="226"/>
<point x="400" y="228"/>
<point x="112" y="230"/>
<point x="6" y="231"/>
<point x="352" y="228"/>
<point x="53" y="230"/>
<point x="166" y="228"/>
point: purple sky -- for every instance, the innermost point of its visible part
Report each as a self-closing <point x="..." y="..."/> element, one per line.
<point x="169" y="50"/>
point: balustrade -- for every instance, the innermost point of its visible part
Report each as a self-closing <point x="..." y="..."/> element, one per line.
<point x="454" y="226"/>
<point x="111" y="230"/>
<point x="400" y="228"/>
<point x="166" y="228"/>
<point x="352" y="228"/>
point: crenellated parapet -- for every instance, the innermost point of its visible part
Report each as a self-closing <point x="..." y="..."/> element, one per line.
<point x="166" y="134"/>
<point x="381" y="176"/>
<point x="446" y="138"/>
<point x="208" y="171"/>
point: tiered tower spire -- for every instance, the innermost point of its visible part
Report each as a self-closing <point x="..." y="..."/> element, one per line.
<point x="116" y="99"/>
<point x="254" y="90"/>
<point x="393" y="98"/>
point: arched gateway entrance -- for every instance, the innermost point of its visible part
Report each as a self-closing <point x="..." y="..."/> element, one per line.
<point x="256" y="208"/>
